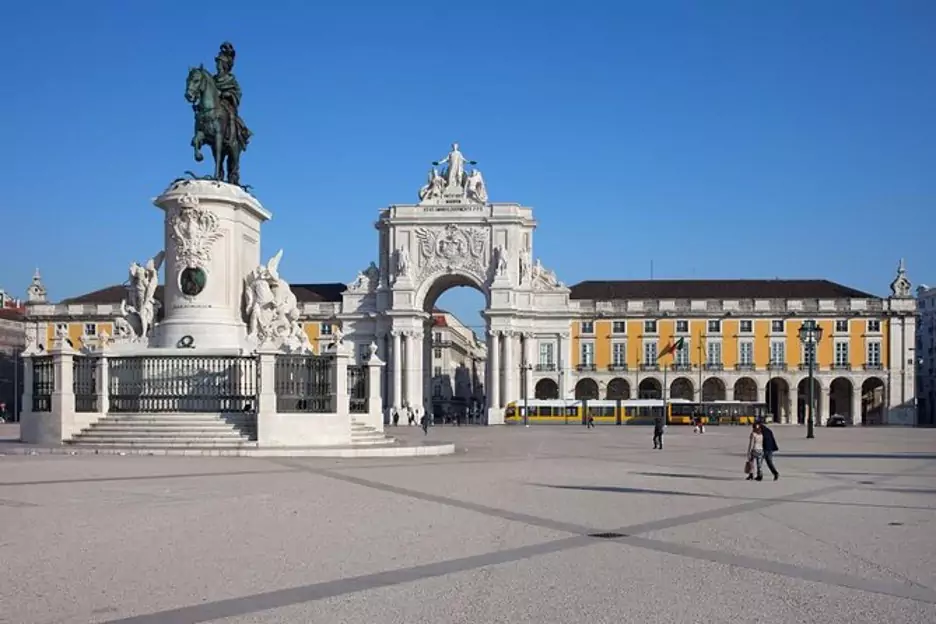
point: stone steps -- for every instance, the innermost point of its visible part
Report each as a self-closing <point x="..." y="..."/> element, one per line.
<point x="169" y="431"/>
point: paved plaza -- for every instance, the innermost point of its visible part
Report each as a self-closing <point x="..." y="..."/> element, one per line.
<point x="500" y="532"/>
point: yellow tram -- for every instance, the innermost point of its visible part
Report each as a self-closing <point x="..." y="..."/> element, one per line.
<point x="632" y="412"/>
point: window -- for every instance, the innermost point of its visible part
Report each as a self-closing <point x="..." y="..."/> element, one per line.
<point x="619" y="327"/>
<point x="682" y="327"/>
<point x="326" y="329"/>
<point x="546" y="354"/>
<point x="746" y="353"/>
<point x="841" y="326"/>
<point x="437" y="337"/>
<point x="714" y="326"/>
<point x="777" y="352"/>
<point x="874" y="353"/>
<point x="650" y="327"/>
<point x="61" y="327"/>
<point x="588" y="353"/>
<point x="874" y="326"/>
<point x="747" y="327"/>
<point x="619" y="354"/>
<point x="714" y="354"/>
<point x="438" y="354"/>
<point x="841" y="353"/>
<point x="437" y="372"/>
<point x="776" y="327"/>
<point x="650" y="351"/>
<point x="681" y="356"/>
<point x="363" y="353"/>
<point x="588" y="327"/>
<point x="90" y="329"/>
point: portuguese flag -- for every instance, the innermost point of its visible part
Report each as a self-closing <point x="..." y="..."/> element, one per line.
<point x="672" y="347"/>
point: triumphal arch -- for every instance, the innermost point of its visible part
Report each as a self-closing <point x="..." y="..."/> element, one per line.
<point x="455" y="236"/>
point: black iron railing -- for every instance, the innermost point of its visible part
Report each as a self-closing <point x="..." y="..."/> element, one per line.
<point x="357" y="389"/>
<point x="84" y="383"/>
<point x="303" y="383"/>
<point x="158" y="384"/>
<point x="43" y="383"/>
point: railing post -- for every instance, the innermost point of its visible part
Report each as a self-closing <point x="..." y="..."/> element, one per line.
<point x="342" y="401"/>
<point x="63" y="393"/>
<point x="103" y="383"/>
<point x="374" y="403"/>
<point x="266" y="397"/>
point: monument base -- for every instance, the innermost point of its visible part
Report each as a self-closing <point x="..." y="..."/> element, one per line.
<point x="212" y="234"/>
<point x="495" y="416"/>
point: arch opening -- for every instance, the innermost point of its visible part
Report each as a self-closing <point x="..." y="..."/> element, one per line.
<point x="546" y="389"/>
<point x="778" y="400"/>
<point x="650" y="388"/>
<point x="745" y="389"/>
<point x="586" y="388"/>
<point x="682" y="388"/>
<point x="872" y="401"/>
<point x="840" y="399"/>
<point x="713" y="389"/>
<point x="618" y="389"/>
<point x="802" y="401"/>
<point x="455" y="363"/>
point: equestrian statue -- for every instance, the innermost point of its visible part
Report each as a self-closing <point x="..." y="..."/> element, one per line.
<point x="215" y="100"/>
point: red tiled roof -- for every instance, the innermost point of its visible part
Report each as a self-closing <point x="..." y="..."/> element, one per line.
<point x="714" y="289"/>
<point x="304" y="293"/>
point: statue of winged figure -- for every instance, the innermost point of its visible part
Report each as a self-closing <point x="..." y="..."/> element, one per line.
<point x="272" y="308"/>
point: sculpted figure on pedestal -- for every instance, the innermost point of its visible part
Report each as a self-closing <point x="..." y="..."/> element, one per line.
<point x="543" y="278"/>
<point x="139" y="309"/>
<point x="272" y="309"/>
<point x="434" y="186"/>
<point x="367" y="280"/>
<point x="475" y="188"/>
<point x="402" y="263"/>
<point x="500" y="262"/>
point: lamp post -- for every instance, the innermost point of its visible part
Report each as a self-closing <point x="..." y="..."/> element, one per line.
<point x="526" y="392"/>
<point x="810" y="333"/>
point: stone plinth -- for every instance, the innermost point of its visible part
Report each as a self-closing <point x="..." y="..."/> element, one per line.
<point x="212" y="232"/>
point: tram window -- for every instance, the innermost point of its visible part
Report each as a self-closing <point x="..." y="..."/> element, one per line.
<point x="572" y="410"/>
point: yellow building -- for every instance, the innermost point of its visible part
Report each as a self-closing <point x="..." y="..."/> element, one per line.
<point x="739" y="341"/>
<point x="87" y="316"/>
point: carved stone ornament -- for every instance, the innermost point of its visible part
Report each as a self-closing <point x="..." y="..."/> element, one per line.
<point x="544" y="279"/>
<point x="451" y="248"/>
<point x="901" y="287"/>
<point x="272" y="310"/>
<point x="366" y="281"/>
<point x="194" y="231"/>
<point x="456" y="183"/>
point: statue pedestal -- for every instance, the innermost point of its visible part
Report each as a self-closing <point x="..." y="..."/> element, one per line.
<point x="212" y="232"/>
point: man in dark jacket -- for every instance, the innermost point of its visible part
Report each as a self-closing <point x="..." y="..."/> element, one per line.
<point x="770" y="447"/>
<point x="658" y="427"/>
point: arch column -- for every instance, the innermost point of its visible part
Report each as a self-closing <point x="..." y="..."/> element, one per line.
<point x="414" y="368"/>
<point x="397" y="368"/>
<point x="822" y="413"/>
<point x="494" y="366"/>
<point x="562" y="344"/>
<point x="856" y="404"/>
<point x="509" y="373"/>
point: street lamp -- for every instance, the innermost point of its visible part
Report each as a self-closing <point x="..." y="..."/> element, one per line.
<point x="810" y="333"/>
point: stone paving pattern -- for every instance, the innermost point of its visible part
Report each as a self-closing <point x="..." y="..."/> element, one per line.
<point x="499" y="532"/>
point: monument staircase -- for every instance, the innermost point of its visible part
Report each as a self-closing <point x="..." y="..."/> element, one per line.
<point x="193" y="430"/>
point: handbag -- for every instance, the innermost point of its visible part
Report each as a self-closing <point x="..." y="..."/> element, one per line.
<point x="748" y="467"/>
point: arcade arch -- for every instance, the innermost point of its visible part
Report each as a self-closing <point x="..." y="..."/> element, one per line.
<point x="586" y="388"/>
<point x="682" y="388"/>
<point x="713" y="389"/>
<point x="618" y="389"/>
<point x="649" y="388"/>
<point x="546" y="389"/>
<point x="745" y="389"/>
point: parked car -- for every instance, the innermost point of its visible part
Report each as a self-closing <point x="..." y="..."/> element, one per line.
<point x="837" y="420"/>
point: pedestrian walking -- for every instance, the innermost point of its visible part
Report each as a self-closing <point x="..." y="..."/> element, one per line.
<point x="770" y="447"/>
<point x="754" y="464"/>
<point x="425" y="424"/>
<point x="659" y="426"/>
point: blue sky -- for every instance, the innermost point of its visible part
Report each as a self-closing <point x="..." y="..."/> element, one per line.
<point x="719" y="139"/>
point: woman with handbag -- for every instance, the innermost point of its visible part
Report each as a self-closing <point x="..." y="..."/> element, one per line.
<point x="755" y="453"/>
